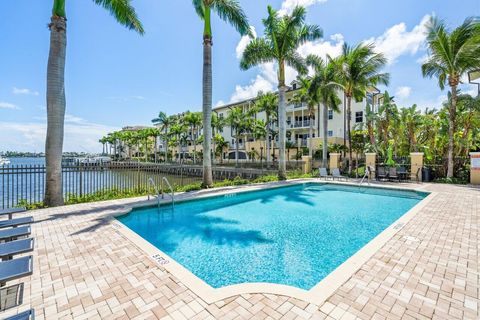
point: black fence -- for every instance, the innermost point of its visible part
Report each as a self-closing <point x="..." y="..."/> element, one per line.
<point x="25" y="184"/>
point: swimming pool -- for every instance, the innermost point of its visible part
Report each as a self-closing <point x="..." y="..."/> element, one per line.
<point x="293" y="235"/>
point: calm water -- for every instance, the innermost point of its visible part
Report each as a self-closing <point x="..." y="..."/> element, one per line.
<point x="294" y="235"/>
<point x="29" y="185"/>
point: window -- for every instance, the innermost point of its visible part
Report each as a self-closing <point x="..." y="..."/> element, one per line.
<point x="359" y="116"/>
<point x="330" y="114"/>
<point x="220" y="115"/>
<point x="330" y="133"/>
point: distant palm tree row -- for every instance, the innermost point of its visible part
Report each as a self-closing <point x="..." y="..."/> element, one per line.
<point x="452" y="54"/>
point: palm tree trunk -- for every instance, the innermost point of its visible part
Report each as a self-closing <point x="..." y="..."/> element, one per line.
<point x="349" y="116"/>
<point x="282" y="131"/>
<point x="155" y="149"/>
<point x="325" y="136"/>
<point x="55" y="111"/>
<point x="451" y="131"/>
<point x="207" y="110"/>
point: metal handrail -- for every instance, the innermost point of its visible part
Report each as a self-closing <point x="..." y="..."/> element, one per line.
<point x="366" y="175"/>
<point x="164" y="179"/>
<point x="152" y="182"/>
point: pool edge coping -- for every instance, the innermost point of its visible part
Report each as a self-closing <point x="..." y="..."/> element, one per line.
<point x="317" y="295"/>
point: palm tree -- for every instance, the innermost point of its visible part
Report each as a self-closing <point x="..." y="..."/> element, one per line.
<point x="324" y="86"/>
<point x="125" y="14"/>
<point x="268" y="103"/>
<point x="311" y="99"/>
<point x="240" y="124"/>
<point x="359" y="69"/>
<point x="231" y="12"/>
<point x="411" y="121"/>
<point x="194" y="120"/>
<point x="221" y="146"/>
<point x="165" y="122"/>
<point x="217" y="125"/>
<point x="283" y="35"/>
<point x="452" y="54"/>
<point x="387" y="113"/>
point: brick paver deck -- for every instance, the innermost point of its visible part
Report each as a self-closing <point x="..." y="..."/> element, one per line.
<point x="85" y="269"/>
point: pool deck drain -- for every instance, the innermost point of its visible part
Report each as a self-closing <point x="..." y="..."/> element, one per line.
<point x="87" y="269"/>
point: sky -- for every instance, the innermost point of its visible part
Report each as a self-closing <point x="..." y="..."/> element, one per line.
<point x="115" y="77"/>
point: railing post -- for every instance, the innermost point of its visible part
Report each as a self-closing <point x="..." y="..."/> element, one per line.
<point x="416" y="163"/>
<point x="334" y="160"/>
<point x="475" y="168"/>
<point x="371" y="161"/>
<point x="307" y="164"/>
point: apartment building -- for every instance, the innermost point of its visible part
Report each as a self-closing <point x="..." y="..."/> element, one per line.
<point x="298" y="123"/>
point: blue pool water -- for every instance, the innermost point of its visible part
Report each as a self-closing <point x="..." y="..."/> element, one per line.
<point x="292" y="235"/>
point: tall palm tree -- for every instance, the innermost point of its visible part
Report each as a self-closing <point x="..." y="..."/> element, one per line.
<point x="125" y="14"/>
<point x="217" y="125"/>
<point x="231" y="12"/>
<point x="452" y="54"/>
<point x="268" y="103"/>
<point x="194" y="120"/>
<point x="387" y="113"/>
<point x="165" y="122"/>
<point x="311" y="99"/>
<point x="359" y="69"/>
<point x="238" y="121"/>
<point x="411" y="121"/>
<point x="282" y="37"/>
<point x="324" y="85"/>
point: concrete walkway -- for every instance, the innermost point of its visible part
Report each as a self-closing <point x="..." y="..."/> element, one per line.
<point x="85" y="269"/>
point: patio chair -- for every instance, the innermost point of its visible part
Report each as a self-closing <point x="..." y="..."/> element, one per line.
<point x="382" y="173"/>
<point x="8" y="249"/>
<point x="15" y="269"/>
<point x="14" y="233"/>
<point x="392" y="174"/>
<point x="25" y="315"/>
<point x="15" y="222"/>
<point x="336" y="174"/>
<point x="11" y="211"/>
<point x="402" y="173"/>
<point x="323" y="173"/>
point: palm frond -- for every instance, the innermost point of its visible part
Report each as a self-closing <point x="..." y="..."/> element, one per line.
<point x="231" y="12"/>
<point x="258" y="51"/>
<point x="123" y="12"/>
<point x="199" y="8"/>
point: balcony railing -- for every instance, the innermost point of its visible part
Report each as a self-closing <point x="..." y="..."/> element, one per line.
<point x="300" y="124"/>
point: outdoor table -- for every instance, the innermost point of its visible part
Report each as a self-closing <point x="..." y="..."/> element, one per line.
<point x="13" y="233"/>
<point x="15" y="269"/>
<point x="15" y="222"/>
<point x="8" y="249"/>
<point x="11" y="211"/>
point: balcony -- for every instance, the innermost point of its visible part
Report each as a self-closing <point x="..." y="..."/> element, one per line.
<point x="300" y="124"/>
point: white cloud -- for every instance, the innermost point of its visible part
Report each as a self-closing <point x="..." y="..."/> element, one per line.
<point x="24" y="91"/>
<point x="397" y="41"/>
<point x="7" y="105"/>
<point x="260" y="83"/>
<point x="244" y="41"/>
<point x="267" y="79"/>
<point x="403" y="92"/>
<point x="31" y="136"/>
<point x="289" y="5"/>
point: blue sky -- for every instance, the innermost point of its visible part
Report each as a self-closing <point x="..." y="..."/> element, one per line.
<point x="115" y="77"/>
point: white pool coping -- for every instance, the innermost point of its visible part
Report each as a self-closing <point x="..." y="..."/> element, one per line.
<point x="316" y="295"/>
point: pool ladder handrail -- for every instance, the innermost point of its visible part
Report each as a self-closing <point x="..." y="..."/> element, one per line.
<point x="152" y="182"/>
<point x="172" y="194"/>
<point x="366" y="175"/>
